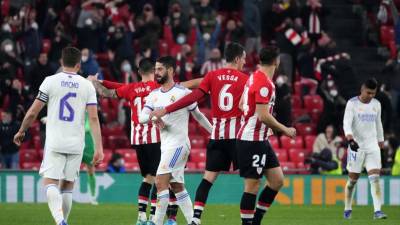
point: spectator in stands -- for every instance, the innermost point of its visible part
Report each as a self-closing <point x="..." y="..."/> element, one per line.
<point x="178" y="20"/>
<point x="89" y="65"/>
<point x="31" y="36"/>
<point x="313" y="15"/>
<point x="234" y="32"/>
<point x="116" y="164"/>
<point x="19" y="99"/>
<point x="10" y="60"/>
<point x="8" y="150"/>
<point x="148" y="31"/>
<point x="252" y="26"/>
<point x="205" y="42"/>
<point x="184" y="63"/>
<point x="60" y="40"/>
<point x="384" y="97"/>
<point x="40" y="70"/>
<point x="215" y="62"/>
<point x="119" y="42"/>
<point x="205" y="15"/>
<point x="324" y="163"/>
<point x="328" y="140"/>
<point x="283" y="106"/>
<point x="127" y="72"/>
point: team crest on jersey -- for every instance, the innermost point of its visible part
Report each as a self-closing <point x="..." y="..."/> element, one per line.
<point x="173" y="98"/>
<point x="259" y="170"/>
<point x="264" y="92"/>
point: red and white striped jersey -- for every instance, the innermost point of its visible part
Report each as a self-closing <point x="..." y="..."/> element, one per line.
<point x="136" y="94"/>
<point x="259" y="89"/>
<point x="225" y="87"/>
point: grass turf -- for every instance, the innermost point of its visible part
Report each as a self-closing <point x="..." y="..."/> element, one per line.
<point x="125" y="214"/>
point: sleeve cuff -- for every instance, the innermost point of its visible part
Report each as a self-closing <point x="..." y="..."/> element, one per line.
<point x="194" y="108"/>
<point x="91" y="104"/>
<point x="148" y="107"/>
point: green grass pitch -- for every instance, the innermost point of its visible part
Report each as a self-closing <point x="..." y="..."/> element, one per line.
<point x="125" y="214"/>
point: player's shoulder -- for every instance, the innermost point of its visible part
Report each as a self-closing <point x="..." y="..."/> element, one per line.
<point x="353" y="100"/>
<point x="375" y="101"/>
<point x="179" y="87"/>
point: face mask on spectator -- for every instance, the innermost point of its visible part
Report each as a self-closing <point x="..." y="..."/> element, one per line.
<point x="126" y="68"/>
<point x="84" y="58"/>
<point x="8" y="47"/>
<point x="181" y="39"/>
<point x="89" y="22"/>
<point x="333" y="92"/>
<point x="330" y="83"/>
<point x="6" y="27"/>
<point x="280" y="81"/>
<point x="176" y="15"/>
<point x="34" y="26"/>
<point x="206" y="37"/>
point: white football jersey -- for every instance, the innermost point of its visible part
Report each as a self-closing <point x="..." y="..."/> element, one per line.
<point x="363" y="121"/>
<point x="175" y="132"/>
<point x="67" y="96"/>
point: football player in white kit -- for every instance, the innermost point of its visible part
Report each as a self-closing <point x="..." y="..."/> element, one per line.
<point x="175" y="144"/>
<point x="362" y="126"/>
<point x="68" y="96"/>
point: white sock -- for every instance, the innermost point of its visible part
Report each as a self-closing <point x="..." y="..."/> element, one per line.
<point x="185" y="204"/>
<point x="162" y="205"/>
<point x="54" y="200"/>
<point x="349" y="193"/>
<point x="67" y="203"/>
<point x="375" y="191"/>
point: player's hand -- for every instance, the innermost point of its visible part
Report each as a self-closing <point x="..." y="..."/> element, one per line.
<point x="98" y="157"/>
<point x="19" y="137"/>
<point x="290" y="132"/>
<point x="158" y="113"/>
<point x="353" y="145"/>
<point x="159" y="123"/>
<point x="93" y="77"/>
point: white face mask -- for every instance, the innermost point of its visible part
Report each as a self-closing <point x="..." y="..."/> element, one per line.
<point x="206" y="36"/>
<point x="34" y="26"/>
<point x="6" y="27"/>
<point x="181" y="39"/>
<point x="280" y="81"/>
<point x="330" y="83"/>
<point x="89" y="22"/>
<point x="8" y="47"/>
<point x="333" y="92"/>
<point x="84" y="58"/>
<point x="126" y="68"/>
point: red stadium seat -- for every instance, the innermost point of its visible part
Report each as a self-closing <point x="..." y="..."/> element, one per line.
<point x="309" y="141"/>
<point x="298" y="88"/>
<point x="198" y="156"/>
<point x="274" y="141"/>
<point x="31" y="165"/>
<point x="118" y="141"/>
<point x="282" y="155"/>
<point x="131" y="166"/>
<point x="313" y="103"/>
<point x="296" y="113"/>
<point x="128" y="154"/>
<point x="197" y="141"/>
<point x="305" y="129"/>
<point x="28" y="155"/>
<point x="303" y="168"/>
<point x="288" y="143"/>
<point x="191" y="166"/>
<point x="296" y="102"/>
<point x="193" y="128"/>
<point x="296" y="155"/>
<point x="163" y="47"/>
<point x="37" y="143"/>
<point x="201" y="165"/>
<point x="288" y="167"/>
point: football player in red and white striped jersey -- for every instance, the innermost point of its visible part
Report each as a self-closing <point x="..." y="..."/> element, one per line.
<point x="145" y="138"/>
<point x="256" y="157"/>
<point x="225" y="87"/>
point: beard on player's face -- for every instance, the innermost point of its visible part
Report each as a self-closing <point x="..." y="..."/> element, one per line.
<point x="162" y="78"/>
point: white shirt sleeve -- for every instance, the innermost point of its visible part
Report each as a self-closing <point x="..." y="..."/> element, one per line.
<point x="379" y="127"/>
<point x="348" y="119"/>
<point x="92" y="98"/>
<point x="149" y="102"/>
<point x="202" y="119"/>
<point x="144" y="116"/>
<point x="44" y="90"/>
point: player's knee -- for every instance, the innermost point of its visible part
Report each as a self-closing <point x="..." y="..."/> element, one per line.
<point x="276" y="184"/>
<point x="149" y="179"/>
<point x="177" y="187"/>
<point x="210" y="176"/>
<point x="161" y="186"/>
<point x="252" y="186"/>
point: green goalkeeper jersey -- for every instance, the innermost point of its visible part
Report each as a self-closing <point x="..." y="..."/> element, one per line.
<point x="88" y="152"/>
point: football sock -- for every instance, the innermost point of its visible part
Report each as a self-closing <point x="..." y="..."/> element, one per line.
<point x="375" y="191"/>
<point x="247" y="205"/>
<point x="185" y="203"/>
<point x="92" y="185"/>
<point x="143" y="200"/>
<point x="265" y="199"/>
<point x="66" y="203"/>
<point x="163" y="199"/>
<point x="200" y="199"/>
<point x="172" y="210"/>
<point x="55" y="202"/>
<point x="349" y="193"/>
<point x="153" y="202"/>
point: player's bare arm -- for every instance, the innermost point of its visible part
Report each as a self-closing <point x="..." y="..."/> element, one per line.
<point x="192" y="83"/>
<point x="95" y="126"/>
<point x="266" y="117"/>
<point x="103" y="91"/>
<point x="30" y="116"/>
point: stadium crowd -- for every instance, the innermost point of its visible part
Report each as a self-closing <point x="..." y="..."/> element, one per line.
<point x="115" y="35"/>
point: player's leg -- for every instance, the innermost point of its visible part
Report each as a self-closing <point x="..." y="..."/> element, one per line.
<point x="355" y="163"/>
<point x="274" y="175"/>
<point x="162" y="184"/>
<point x="54" y="199"/>
<point x="148" y="174"/>
<point x="248" y="200"/>
<point x="91" y="170"/>
<point x="373" y="166"/>
<point x="183" y="200"/>
<point x="275" y="182"/>
<point x="172" y="210"/>
<point x="87" y="159"/>
<point x="66" y="188"/>
<point x="217" y="160"/>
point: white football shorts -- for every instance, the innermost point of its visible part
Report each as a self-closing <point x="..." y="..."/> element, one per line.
<point x="370" y="159"/>
<point x="173" y="161"/>
<point x="60" y="166"/>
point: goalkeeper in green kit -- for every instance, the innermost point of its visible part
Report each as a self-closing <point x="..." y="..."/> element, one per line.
<point x="87" y="159"/>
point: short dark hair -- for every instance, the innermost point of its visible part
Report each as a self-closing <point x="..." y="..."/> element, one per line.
<point x="71" y="56"/>
<point x="232" y="51"/>
<point x="268" y="55"/>
<point x="371" y="83"/>
<point x="168" y="62"/>
<point x="146" y="65"/>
